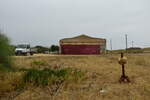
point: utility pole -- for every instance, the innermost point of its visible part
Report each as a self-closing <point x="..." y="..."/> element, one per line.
<point x="132" y="44"/>
<point x="126" y="37"/>
<point x="111" y="44"/>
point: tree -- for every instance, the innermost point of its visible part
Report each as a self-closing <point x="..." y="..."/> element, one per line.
<point x="5" y="53"/>
<point x="54" y="48"/>
<point x="41" y="49"/>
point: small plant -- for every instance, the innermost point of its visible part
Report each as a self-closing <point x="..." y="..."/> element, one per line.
<point x="76" y="75"/>
<point x="38" y="63"/>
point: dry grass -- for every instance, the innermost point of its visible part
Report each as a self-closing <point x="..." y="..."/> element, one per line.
<point x="101" y="80"/>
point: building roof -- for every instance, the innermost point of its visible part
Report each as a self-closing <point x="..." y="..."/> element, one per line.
<point x="83" y="39"/>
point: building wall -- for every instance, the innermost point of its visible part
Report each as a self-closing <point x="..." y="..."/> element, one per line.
<point x="80" y="49"/>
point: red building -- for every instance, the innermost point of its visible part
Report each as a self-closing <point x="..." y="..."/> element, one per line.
<point x="82" y="44"/>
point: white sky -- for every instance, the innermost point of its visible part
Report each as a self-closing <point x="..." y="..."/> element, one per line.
<point x="45" y="22"/>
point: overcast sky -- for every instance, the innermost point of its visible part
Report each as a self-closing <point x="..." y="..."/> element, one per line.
<point x="45" y="22"/>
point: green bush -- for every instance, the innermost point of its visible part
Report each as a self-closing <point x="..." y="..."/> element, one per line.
<point x="49" y="76"/>
<point x="5" y="53"/>
<point x="41" y="49"/>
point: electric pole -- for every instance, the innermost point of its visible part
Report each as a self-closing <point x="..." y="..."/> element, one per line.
<point x="126" y="37"/>
<point x="111" y="44"/>
<point x="132" y="44"/>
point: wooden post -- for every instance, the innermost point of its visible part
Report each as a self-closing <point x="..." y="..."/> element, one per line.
<point x="123" y="70"/>
<point x="123" y="78"/>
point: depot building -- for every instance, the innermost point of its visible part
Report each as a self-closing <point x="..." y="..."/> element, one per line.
<point x="82" y="44"/>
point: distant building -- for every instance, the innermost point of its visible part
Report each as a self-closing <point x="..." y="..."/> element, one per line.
<point x="82" y="44"/>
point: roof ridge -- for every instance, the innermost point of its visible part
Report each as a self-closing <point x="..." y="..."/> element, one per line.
<point x="83" y="38"/>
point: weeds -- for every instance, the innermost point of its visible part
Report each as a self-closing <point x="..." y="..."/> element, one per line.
<point x="22" y="79"/>
<point x="49" y="76"/>
<point x="39" y="63"/>
<point x="10" y="81"/>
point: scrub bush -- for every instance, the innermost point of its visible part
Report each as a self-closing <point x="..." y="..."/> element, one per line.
<point x="5" y="53"/>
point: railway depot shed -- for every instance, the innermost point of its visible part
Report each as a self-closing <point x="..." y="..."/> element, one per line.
<point x="82" y="44"/>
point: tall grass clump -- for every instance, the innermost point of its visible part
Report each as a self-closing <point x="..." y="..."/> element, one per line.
<point x="5" y="53"/>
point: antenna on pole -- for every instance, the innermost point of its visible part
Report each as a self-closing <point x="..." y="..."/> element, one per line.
<point x="126" y="37"/>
